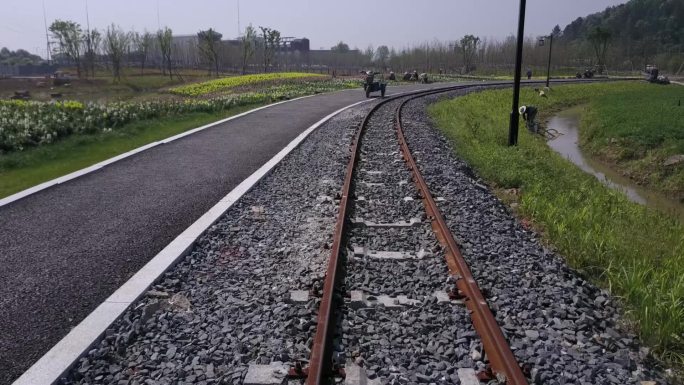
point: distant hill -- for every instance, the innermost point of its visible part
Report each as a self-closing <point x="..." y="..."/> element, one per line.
<point x="641" y="31"/>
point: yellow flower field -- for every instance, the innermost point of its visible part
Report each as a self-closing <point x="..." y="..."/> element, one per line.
<point x="227" y="83"/>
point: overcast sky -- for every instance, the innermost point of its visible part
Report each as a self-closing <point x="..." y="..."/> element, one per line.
<point x="398" y="23"/>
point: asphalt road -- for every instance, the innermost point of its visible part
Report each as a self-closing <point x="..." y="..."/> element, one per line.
<point x="65" y="249"/>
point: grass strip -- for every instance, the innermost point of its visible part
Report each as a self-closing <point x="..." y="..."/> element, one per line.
<point x="21" y="170"/>
<point x="635" y="252"/>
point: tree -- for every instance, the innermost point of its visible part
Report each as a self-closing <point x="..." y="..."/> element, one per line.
<point x="369" y="55"/>
<point x="209" y="43"/>
<point x="91" y="40"/>
<point x="264" y="35"/>
<point x="164" y="39"/>
<point x="381" y="56"/>
<point x="248" y="45"/>
<point x="143" y="43"/>
<point x="340" y="47"/>
<point x="271" y="40"/>
<point x="68" y="35"/>
<point x="272" y="43"/>
<point x="468" y="46"/>
<point x="18" y="57"/>
<point x="116" y="44"/>
<point x="599" y="39"/>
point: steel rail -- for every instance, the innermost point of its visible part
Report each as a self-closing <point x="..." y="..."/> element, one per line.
<point x="320" y="361"/>
<point x="503" y="362"/>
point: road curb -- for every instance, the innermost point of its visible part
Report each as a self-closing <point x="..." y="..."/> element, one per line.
<point x="58" y="360"/>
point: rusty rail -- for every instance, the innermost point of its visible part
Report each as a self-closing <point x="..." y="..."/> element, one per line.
<point x="320" y="362"/>
<point x="501" y="358"/>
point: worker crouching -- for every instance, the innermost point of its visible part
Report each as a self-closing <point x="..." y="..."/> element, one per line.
<point x="529" y="114"/>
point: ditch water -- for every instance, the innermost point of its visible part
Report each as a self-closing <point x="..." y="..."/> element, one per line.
<point x="567" y="144"/>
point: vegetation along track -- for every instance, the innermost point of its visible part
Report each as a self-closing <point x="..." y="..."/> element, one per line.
<point x="379" y="207"/>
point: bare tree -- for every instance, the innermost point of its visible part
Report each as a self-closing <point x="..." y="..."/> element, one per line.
<point x="264" y="39"/>
<point x="468" y="46"/>
<point x="272" y="44"/>
<point x="209" y="42"/>
<point x="116" y="44"/>
<point x="369" y="55"/>
<point x="68" y="34"/>
<point x="91" y="40"/>
<point x="164" y="39"/>
<point x="271" y="41"/>
<point x="143" y="44"/>
<point x="248" y="46"/>
<point x="381" y="56"/>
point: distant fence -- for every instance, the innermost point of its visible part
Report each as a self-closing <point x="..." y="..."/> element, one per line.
<point x="27" y="70"/>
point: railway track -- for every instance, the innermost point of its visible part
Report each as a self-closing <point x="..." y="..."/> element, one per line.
<point x="253" y="303"/>
<point x="393" y="265"/>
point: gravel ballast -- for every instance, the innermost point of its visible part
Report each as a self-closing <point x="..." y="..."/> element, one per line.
<point x="561" y="327"/>
<point x="423" y="340"/>
<point x="227" y="304"/>
<point x="232" y="303"/>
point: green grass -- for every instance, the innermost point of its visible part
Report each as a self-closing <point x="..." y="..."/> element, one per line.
<point x="21" y="170"/>
<point x="636" y="131"/>
<point x="635" y="252"/>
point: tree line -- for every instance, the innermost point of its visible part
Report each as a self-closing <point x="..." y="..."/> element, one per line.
<point x="623" y="38"/>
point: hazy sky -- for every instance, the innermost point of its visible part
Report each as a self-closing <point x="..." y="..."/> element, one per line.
<point x="397" y="23"/>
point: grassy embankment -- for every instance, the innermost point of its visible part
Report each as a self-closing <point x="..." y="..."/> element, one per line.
<point x="635" y="252"/>
<point x="637" y="133"/>
<point x="54" y="149"/>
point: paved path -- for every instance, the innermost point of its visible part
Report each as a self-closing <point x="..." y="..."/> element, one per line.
<point x="67" y="248"/>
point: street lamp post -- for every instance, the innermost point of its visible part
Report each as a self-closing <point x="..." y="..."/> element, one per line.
<point x="548" y="67"/>
<point x="515" y="116"/>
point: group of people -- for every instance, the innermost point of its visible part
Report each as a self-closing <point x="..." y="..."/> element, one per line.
<point x="408" y="76"/>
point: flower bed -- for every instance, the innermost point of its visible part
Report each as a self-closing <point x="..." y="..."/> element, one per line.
<point x="29" y="124"/>
<point x="225" y="84"/>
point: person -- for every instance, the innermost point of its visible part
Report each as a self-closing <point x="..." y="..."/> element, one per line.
<point x="529" y="113"/>
<point x="529" y="74"/>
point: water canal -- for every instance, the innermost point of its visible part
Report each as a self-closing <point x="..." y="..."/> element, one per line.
<point x="567" y="145"/>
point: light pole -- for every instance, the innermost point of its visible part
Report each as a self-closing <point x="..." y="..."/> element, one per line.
<point x="548" y="67"/>
<point x="515" y="116"/>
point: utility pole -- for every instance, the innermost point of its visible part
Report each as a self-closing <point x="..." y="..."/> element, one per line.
<point x="548" y="67"/>
<point x="90" y="54"/>
<point x="87" y="18"/>
<point x="238" y="15"/>
<point x="47" y="36"/>
<point x="515" y="115"/>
